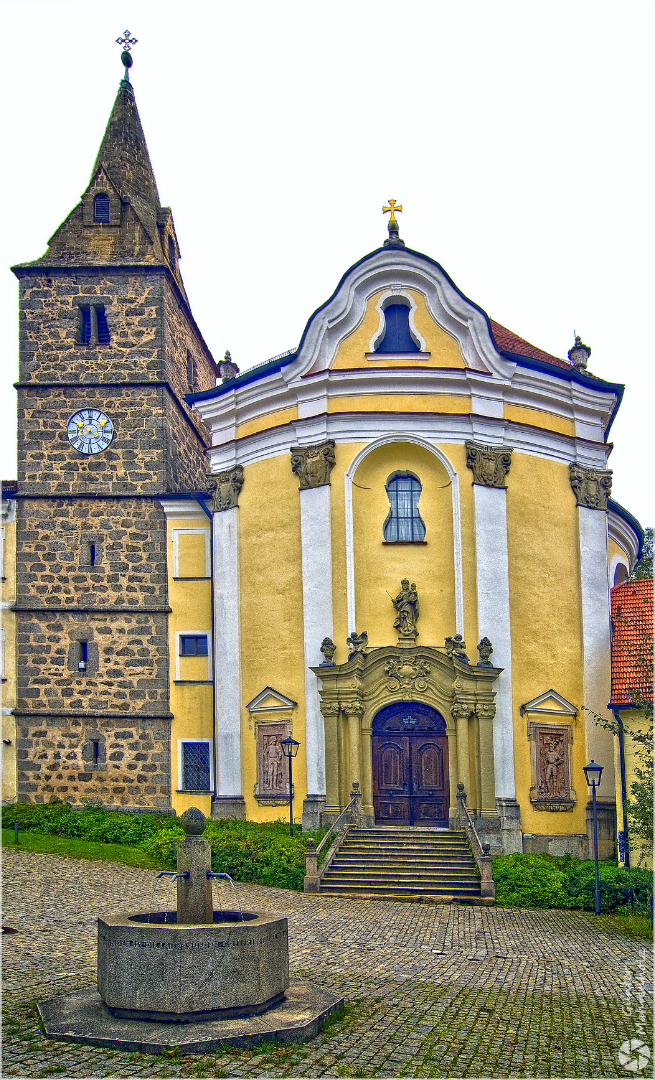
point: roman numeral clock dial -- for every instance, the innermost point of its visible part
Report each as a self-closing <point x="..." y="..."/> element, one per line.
<point x="90" y="431"/>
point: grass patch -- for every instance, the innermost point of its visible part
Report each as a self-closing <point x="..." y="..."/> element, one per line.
<point x="79" y="849"/>
<point x="631" y="924"/>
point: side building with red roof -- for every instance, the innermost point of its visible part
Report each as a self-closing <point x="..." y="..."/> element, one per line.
<point x="631" y="700"/>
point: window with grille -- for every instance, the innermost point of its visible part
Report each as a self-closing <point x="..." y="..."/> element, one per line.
<point x="404" y="522"/>
<point x="94" y="328"/>
<point x="196" y="766"/>
<point x="103" y="329"/>
<point x="85" y="325"/>
<point x="193" y="645"/>
<point x="172" y="254"/>
<point x="101" y="209"/>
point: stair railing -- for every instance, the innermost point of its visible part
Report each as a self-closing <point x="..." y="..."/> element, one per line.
<point x="480" y="850"/>
<point x="351" y="815"/>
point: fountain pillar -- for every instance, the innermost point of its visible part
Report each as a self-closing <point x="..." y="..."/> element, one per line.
<point x="194" y="894"/>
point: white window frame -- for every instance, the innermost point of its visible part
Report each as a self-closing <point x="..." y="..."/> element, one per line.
<point x="180" y="771"/>
<point x="176" y="533"/>
<point x="193" y="633"/>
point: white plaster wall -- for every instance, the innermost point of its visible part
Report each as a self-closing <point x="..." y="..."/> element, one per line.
<point x="316" y="546"/>
<point x="492" y="578"/>
<point x="594" y="591"/>
<point x="227" y="652"/>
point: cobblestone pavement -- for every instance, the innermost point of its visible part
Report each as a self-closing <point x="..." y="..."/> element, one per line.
<point x="443" y="990"/>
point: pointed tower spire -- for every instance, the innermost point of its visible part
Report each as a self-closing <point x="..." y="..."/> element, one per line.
<point x="123" y="151"/>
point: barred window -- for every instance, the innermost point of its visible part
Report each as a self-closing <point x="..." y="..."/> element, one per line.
<point x="85" y="324"/>
<point x="101" y="322"/>
<point x="193" y="645"/>
<point x="404" y="523"/>
<point x="101" y="209"/>
<point x="196" y="769"/>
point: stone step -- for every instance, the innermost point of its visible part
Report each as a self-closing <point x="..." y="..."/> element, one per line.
<point x="387" y="860"/>
<point x="404" y="869"/>
<point x="400" y="891"/>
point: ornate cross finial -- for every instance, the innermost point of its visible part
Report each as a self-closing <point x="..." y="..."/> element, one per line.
<point x="127" y="42"/>
<point x="391" y="208"/>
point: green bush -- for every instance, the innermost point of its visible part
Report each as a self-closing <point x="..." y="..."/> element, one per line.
<point x="91" y="823"/>
<point x="262" y="853"/>
<point x="162" y="845"/>
<point x="546" y="881"/>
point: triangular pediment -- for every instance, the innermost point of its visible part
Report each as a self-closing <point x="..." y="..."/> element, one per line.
<point x="268" y="699"/>
<point x="550" y="702"/>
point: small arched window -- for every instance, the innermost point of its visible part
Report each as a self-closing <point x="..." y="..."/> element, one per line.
<point x="397" y="334"/>
<point x="172" y="254"/>
<point x="101" y="209"/>
<point x="620" y="574"/>
<point x="404" y="523"/>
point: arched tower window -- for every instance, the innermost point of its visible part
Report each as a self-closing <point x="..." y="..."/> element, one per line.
<point x="101" y="208"/>
<point x="397" y="335"/>
<point x="620" y="574"/>
<point x="404" y="523"/>
<point x="172" y="254"/>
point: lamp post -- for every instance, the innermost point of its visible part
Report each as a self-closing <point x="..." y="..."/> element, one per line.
<point x="290" y="749"/>
<point x="592" y="773"/>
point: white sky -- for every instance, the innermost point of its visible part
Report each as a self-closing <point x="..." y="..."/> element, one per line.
<point x="517" y="135"/>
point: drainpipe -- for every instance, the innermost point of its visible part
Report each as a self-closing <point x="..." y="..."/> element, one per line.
<point x="624" y="793"/>
<point x="213" y="655"/>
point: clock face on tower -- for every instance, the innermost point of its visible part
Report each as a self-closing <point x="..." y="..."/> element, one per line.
<point x="90" y="431"/>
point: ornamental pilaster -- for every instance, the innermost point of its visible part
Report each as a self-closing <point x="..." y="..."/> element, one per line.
<point x="489" y="464"/>
<point x="224" y="488"/>
<point x="591" y="487"/>
<point x="313" y="464"/>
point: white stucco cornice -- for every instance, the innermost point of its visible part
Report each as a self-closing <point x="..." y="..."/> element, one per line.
<point x="624" y="535"/>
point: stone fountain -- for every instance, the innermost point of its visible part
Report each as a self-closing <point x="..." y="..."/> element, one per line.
<point x="221" y="973"/>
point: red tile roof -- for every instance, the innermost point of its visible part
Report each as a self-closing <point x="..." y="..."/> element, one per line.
<point x="511" y="342"/>
<point x="632" y="641"/>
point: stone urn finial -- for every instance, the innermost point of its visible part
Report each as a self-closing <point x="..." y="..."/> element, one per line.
<point x="193" y="821"/>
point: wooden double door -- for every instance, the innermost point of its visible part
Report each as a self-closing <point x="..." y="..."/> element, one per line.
<point x="410" y="770"/>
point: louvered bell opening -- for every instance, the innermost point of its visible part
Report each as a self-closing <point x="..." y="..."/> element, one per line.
<point x="101" y="209"/>
<point x="103" y="329"/>
<point x="85" y="325"/>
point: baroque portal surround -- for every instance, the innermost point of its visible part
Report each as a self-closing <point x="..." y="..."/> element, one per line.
<point x="351" y="695"/>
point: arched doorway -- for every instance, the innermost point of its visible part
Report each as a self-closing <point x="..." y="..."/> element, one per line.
<point x="410" y="765"/>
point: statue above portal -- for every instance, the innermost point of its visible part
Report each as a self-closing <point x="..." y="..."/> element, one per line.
<point x="406" y="605"/>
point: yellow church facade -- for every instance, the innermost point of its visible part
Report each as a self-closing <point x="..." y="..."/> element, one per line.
<point x="403" y="560"/>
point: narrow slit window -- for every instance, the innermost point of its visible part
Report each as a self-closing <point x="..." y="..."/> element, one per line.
<point x="101" y="322"/>
<point x="404" y="522"/>
<point x="101" y="209"/>
<point x="196" y="771"/>
<point x="190" y="371"/>
<point x="84" y="656"/>
<point x="95" y="750"/>
<point x="85" y="324"/>
<point x="193" y="645"/>
<point x="92" y="554"/>
<point x="172" y="254"/>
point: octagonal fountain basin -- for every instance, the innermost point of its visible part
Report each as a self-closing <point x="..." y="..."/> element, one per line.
<point x="150" y="967"/>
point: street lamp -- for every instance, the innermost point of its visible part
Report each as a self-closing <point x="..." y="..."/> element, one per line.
<point x="592" y="773"/>
<point x="290" y="749"/>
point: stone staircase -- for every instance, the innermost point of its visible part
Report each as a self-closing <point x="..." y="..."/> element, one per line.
<point x="404" y="863"/>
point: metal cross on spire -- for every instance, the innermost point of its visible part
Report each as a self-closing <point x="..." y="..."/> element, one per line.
<point x="392" y="208"/>
<point x="127" y="42"/>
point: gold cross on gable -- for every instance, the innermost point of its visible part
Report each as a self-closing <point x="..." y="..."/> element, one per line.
<point x="391" y="208"/>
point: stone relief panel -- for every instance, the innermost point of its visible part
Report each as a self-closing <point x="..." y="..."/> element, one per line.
<point x="489" y="464"/>
<point x="550" y="753"/>
<point x="224" y="488"/>
<point x="313" y="464"/>
<point x="591" y="487"/>
<point x="272" y="787"/>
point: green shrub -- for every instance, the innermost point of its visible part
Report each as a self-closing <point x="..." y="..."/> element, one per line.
<point x="545" y="881"/>
<point x="162" y="845"/>
<point x="91" y="823"/>
<point x="262" y="853"/>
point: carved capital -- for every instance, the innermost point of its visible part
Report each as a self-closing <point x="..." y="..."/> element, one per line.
<point x="489" y="464"/>
<point x="591" y="487"/>
<point x="330" y="708"/>
<point x="224" y="488"/>
<point x="352" y="708"/>
<point x="485" y="710"/>
<point x="461" y="709"/>
<point x="313" y="464"/>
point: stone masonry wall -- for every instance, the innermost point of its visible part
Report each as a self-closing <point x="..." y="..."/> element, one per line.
<point x="129" y="765"/>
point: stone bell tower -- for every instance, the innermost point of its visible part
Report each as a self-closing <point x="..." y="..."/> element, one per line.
<point x="108" y="349"/>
